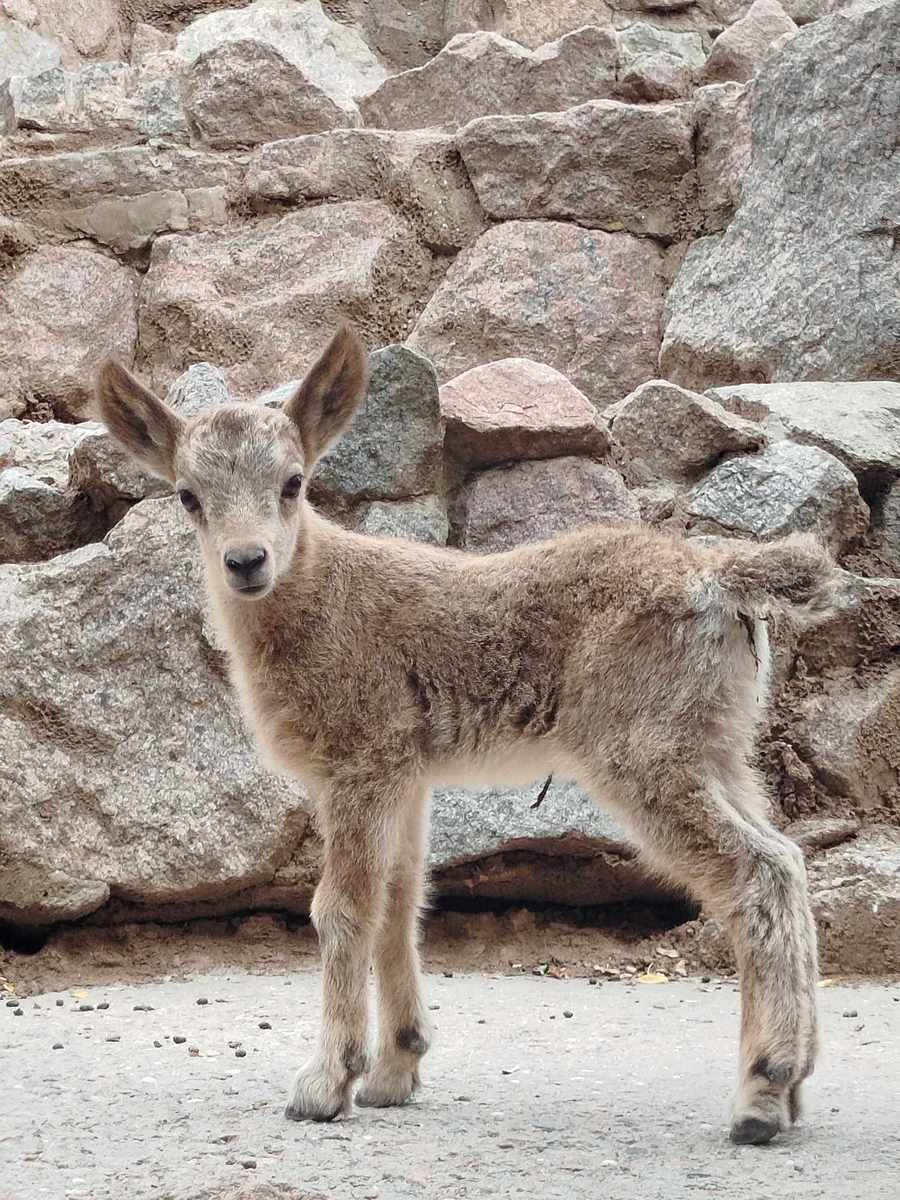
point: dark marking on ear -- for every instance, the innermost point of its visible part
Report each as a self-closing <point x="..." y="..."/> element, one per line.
<point x="142" y="424"/>
<point x="322" y="408"/>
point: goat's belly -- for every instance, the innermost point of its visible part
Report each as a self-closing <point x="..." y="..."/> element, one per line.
<point x="521" y="765"/>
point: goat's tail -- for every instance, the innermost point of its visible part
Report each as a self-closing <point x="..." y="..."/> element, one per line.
<point x="797" y="571"/>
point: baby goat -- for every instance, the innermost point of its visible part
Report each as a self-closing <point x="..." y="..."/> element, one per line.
<point x="372" y="668"/>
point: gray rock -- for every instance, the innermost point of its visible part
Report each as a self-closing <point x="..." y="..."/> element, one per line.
<point x="264" y="299"/>
<point x="123" y="761"/>
<point x="23" y="51"/>
<point x="859" y="423"/>
<point x="783" y="489"/>
<point x="663" y="432"/>
<point x="604" y="164"/>
<point x="585" y="302"/>
<point x="529" y="501"/>
<point x="803" y="283"/>
<point x="394" y="447"/>
<point x="813" y="834"/>
<point x="723" y="147"/>
<point x="739" y="51"/>
<point x="515" y="409"/>
<point x="35" y="518"/>
<point x="423" y="519"/>
<point x="888" y="533"/>
<point x="419" y="172"/>
<point x="108" y="476"/>
<point x="481" y="73"/>
<point x="657" y="64"/>
<point x="39" y="447"/>
<point x="201" y="386"/>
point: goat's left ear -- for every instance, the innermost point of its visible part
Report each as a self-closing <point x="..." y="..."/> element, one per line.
<point x="143" y="425"/>
<point x="323" y="405"/>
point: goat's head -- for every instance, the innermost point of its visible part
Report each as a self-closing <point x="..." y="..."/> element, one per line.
<point x="240" y="470"/>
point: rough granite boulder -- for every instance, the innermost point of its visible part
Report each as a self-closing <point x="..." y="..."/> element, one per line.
<point x="663" y="432"/>
<point x="420" y="173"/>
<point x="739" y="51"/>
<point x="779" y="491"/>
<point x="121" y="197"/>
<point x="859" y="423"/>
<point x="657" y="64"/>
<point x="422" y="519"/>
<point x="481" y="73"/>
<point x="517" y="409"/>
<point x="529" y="501"/>
<point x="604" y="165"/>
<point x="723" y="148"/>
<point x="803" y="283"/>
<point x="61" y="311"/>
<point x="264" y="299"/>
<point x="23" y="51"/>
<point x="586" y="302"/>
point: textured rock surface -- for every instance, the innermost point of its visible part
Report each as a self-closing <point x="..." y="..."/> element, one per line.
<point x="419" y="172"/>
<point x="515" y="409"/>
<point x="261" y="301"/>
<point x="528" y="501"/>
<point x="739" y="50"/>
<point x="803" y="283"/>
<point x="859" y="423"/>
<point x="118" y="732"/>
<point x="604" y="164"/>
<point x="24" y="51"/>
<point x="662" y="431"/>
<point x="423" y="519"/>
<point x="656" y="64"/>
<point x="783" y="489"/>
<point x="585" y="302"/>
<point x="723" y="148"/>
<point x="481" y="73"/>
<point x="61" y="311"/>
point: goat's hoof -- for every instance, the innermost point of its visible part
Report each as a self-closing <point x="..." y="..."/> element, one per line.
<point x="754" y="1131"/>
<point x="317" y="1096"/>
<point x="387" y="1088"/>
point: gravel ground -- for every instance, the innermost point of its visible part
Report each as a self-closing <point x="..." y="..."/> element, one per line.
<point x="535" y="1087"/>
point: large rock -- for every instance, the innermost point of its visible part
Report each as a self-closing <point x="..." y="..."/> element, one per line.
<point x="604" y="164"/>
<point x="783" y="489"/>
<point x="324" y="64"/>
<point x="122" y="197"/>
<point x="481" y="73"/>
<point x="585" y="302"/>
<point x="264" y="299"/>
<point x="516" y="409"/>
<point x="803" y="283"/>
<point x="83" y="29"/>
<point x="723" y="148"/>
<point x="23" y="51"/>
<point x="529" y="501"/>
<point x="859" y="423"/>
<point x="62" y="311"/>
<point x="663" y="432"/>
<point x="419" y="172"/>
<point x="657" y="64"/>
<point x="422" y="519"/>
<point x="739" y="51"/>
<point x="855" y="895"/>
<point x="39" y="447"/>
<point x="124" y="762"/>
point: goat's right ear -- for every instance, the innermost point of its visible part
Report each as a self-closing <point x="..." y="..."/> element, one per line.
<point x="323" y="405"/>
<point x="142" y="425"/>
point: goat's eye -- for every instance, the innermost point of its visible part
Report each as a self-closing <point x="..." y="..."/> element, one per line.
<point x="189" y="500"/>
<point x="291" y="489"/>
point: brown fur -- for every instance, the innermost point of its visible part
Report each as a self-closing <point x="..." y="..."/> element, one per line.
<point x="370" y="669"/>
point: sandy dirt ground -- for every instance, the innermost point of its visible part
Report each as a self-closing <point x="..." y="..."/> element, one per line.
<point x="536" y="1087"/>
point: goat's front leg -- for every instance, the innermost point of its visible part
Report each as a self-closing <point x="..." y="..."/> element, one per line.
<point x="403" y="1029"/>
<point x="347" y="909"/>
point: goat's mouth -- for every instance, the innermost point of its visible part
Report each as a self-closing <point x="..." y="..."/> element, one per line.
<point x="251" y="591"/>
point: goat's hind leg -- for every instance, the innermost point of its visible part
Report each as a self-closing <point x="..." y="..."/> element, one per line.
<point x="754" y="880"/>
<point x="358" y="820"/>
<point x="403" y="1029"/>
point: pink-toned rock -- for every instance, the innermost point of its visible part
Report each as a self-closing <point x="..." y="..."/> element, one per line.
<point x="529" y="501"/>
<point x="61" y="312"/>
<point x="262" y="300"/>
<point x="739" y="51"/>
<point x="723" y="145"/>
<point x="515" y="409"/>
<point x="585" y="302"/>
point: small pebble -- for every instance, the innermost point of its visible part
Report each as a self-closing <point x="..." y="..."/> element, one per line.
<point x="850" y="1012"/>
<point x="179" y="1041"/>
<point x="17" y="1012"/>
<point x="592" y="982"/>
<point x="60" y="1003"/>
<point x="15" y="1003"/>
<point x="202" y="1000"/>
<point x="249" y="1164"/>
<point x="57" y="1045"/>
<point x="85" y="1008"/>
<point x="568" y="1014"/>
<point x="705" y="979"/>
<point x="482" y="1021"/>
<point x="158" y="1045"/>
<point x="240" y="1054"/>
<point x="194" y="1051"/>
<point x="448" y="974"/>
<point x="433" y="1007"/>
<point x="113" y="1037"/>
<point x="104" y="1005"/>
<point x="553" y="1016"/>
<point x="233" y="1045"/>
<point x="264" y="1025"/>
<point x="143" y="1008"/>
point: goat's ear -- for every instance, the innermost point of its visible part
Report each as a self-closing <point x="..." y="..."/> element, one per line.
<point x="323" y="405"/>
<point x="148" y="429"/>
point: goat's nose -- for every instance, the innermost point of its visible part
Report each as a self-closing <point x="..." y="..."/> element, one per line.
<point x="245" y="561"/>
